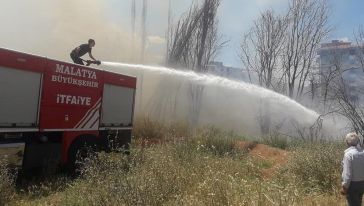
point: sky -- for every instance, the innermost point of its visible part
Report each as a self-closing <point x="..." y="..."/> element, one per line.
<point x="53" y="27"/>
<point x="237" y="16"/>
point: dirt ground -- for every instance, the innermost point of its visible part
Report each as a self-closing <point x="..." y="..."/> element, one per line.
<point x="275" y="156"/>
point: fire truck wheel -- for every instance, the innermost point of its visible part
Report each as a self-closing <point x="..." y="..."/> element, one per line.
<point x="83" y="149"/>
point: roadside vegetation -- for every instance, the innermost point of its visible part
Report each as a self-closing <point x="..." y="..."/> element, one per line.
<point x="7" y="183"/>
<point x="170" y="165"/>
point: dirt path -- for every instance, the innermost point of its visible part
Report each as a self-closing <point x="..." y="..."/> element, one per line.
<point x="275" y="156"/>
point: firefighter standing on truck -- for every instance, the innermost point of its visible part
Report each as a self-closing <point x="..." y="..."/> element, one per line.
<point x="82" y="50"/>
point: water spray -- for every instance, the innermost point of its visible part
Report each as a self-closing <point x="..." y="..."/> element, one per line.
<point x="229" y="104"/>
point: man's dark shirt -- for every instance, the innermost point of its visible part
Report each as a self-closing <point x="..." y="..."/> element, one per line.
<point x="84" y="48"/>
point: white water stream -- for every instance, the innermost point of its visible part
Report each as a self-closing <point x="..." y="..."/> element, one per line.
<point x="165" y="94"/>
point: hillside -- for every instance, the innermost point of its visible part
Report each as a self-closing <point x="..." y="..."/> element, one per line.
<point x="172" y="166"/>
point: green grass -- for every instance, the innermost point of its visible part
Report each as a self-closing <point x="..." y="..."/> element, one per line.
<point x="191" y="167"/>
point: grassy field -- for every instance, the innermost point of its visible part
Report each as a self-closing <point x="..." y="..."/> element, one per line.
<point x="170" y="165"/>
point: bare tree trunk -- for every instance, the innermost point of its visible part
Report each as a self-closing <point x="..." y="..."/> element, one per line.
<point x="133" y="15"/>
<point x="261" y="49"/>
<point x="329" y="74"/>
<point x="193" y="43"/>
<point x="308" y="20"/>
<point x="359" y="39"/>
<point x="144" y="29"/>
<point x="339" y="90"/>
<point x="282" y="50"/>
<point x="169" y="29"/>
<point x="349" y="108"/>
<point x="206" y="41"/>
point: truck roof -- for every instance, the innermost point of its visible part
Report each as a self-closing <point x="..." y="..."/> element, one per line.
<point x="14" y="57"/>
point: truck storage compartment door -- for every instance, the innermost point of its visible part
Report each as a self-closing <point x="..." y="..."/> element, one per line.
<point x="19" y="96"/>
<point x="117" y="106"/>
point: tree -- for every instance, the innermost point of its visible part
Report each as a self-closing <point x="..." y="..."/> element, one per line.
<point x="359" y="40"/>
<point x="262" y="47"/>
<point x="144" y="29"/>
<point x="193" y="43"/>
<point x="343" y="82"/>
<point x="133" y="16"/>
<point x="281" y="50"/>
<point x="260" y="52"/>
<point x="330" y="74"/>
<point x="348" y="106"/>
<point x="307" y="27"/>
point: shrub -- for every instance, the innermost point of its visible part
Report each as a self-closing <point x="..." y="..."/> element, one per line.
<point x="158" y="175"/>
<point x="215" y="141"/>
<point x="202" y="167"/>
<point x="316" y="167"/>
<point x="147" y="129"/>
<point x="276" y="141"/>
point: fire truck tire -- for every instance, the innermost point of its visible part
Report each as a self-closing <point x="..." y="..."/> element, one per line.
<point x="82" y="148"/>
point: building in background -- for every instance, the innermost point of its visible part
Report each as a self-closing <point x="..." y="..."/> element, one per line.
<point x="218" y="69"/>
<point x="340" y="57"/>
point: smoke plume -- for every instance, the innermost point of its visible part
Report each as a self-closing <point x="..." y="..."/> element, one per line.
<point x="53" y="28"/>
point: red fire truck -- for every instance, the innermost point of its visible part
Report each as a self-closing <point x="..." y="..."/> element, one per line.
<point x="51" y="110"/>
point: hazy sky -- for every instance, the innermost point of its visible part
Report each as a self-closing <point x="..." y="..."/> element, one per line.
<point x="53" y="27"/>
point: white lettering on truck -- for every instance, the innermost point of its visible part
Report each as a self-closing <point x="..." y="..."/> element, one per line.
<point x="76" y="72"/>
<point x="73" y="100"/>
<point x="77" y="82"/>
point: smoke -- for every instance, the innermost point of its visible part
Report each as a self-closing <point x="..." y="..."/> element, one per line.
<point x="164" y="95"/>
<point x="53" y="28"/>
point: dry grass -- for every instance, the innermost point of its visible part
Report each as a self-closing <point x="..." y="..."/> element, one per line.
<point x="173" y="165"/>
<point x="7" y="182"/>
<point x="317" y="167"/>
